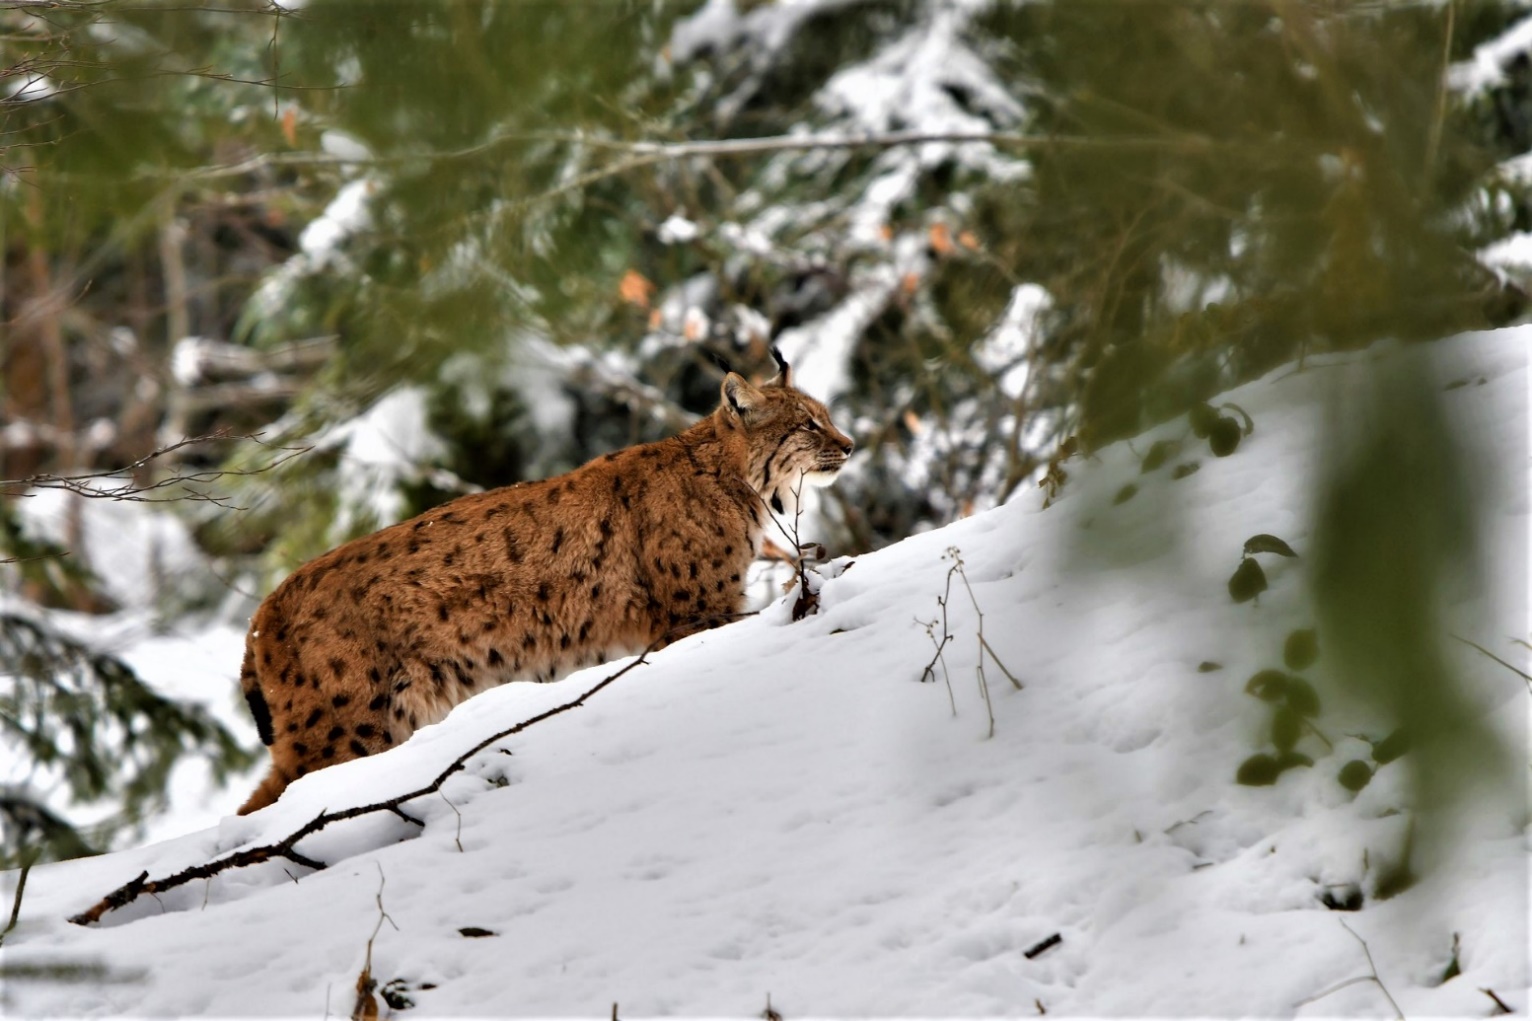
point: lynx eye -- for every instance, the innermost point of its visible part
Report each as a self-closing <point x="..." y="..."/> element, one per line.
<point x="813" y="426"/>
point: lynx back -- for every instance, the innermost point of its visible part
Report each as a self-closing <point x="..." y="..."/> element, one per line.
<point x="362" y="646"/>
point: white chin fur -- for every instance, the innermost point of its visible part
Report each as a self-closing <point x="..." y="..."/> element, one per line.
<point x="820" y="479"/>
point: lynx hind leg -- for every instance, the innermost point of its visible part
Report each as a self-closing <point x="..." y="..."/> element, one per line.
<point x="267" y="793"/>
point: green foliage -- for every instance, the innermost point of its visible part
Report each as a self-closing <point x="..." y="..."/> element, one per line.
<point x="48" y="575"/>
<point x="1259" y="770"/>
<point x="91" y="727"/>
<point x="1397" y="528"/>
<point x="1234" y="186"/>
<point x="1195" y="193"/>
<point x="1294" y="705"/>
<point x="1391" y="747"/>
<point x="1265" y="543"/>
<point x="1355" y="775"/>
<point x="1247" y="581"/>
<point x="1301" y="649"/>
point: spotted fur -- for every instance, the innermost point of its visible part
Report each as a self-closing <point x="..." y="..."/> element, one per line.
<point x="362" y="646"/>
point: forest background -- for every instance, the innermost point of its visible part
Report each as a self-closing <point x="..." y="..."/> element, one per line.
<point x="284" y="273"/>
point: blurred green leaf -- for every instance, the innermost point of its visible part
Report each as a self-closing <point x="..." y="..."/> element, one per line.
<point x="1259" y="770"/>
<point x="1247" y="582"/>
<point x="1301" y="648"/>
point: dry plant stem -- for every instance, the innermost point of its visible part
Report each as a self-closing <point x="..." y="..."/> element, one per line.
<point x="929" y="673"/>
<point x="366" y="1004"/>
<point x="21" y="887"/>
<point x="1399" y="1014"/>
<point x="984" y="645"/>
<point x="1515" y="670"/>
<point x="808" y="601"/>
<point x="286" y="847"/>
<point x="458" y="836"/>
<point x="989" y="707"/>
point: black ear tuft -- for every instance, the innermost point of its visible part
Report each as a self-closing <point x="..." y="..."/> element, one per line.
<point x="720" y="361"/>
<point x="784" y="371"/>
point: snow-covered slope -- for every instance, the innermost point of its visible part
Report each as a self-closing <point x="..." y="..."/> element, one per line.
<point x="784" y="808"/>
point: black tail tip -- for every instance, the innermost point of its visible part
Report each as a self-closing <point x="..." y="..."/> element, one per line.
<point x="261" y="712"/>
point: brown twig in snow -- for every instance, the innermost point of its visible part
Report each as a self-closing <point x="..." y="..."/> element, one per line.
<point x="1500" y="1007"/>
<point x="1360" y="978"/>
<point x="366" y="1007"/>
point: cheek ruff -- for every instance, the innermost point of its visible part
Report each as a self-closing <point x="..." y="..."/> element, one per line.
<point x="821" y="478"/>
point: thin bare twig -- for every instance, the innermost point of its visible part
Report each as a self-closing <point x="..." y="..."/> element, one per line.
<point x="1515" y="670"/>
<point x="366" y="1006"/>
<point x="1500" y="1005"/>
<point x="124" y="487"/>
<point x="1372" y="966"/>
<point x="21" y="885"/>
<point x="929" y="673"/>
<point x="644" y="153"/>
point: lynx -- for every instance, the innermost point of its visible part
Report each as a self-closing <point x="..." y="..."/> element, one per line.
<point x="364" y="645"/>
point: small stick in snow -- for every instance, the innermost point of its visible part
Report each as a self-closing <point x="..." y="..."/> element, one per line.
<point x="1039" y="949"/>
<point x="458" y="839"/>
<point x="1500" y="1007"/>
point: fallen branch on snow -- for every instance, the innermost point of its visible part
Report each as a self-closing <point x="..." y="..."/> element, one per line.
<point x="287" y="847"/>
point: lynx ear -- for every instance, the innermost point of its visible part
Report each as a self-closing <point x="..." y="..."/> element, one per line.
<point x="784" y="371"/>
<point x="742" y="400"/>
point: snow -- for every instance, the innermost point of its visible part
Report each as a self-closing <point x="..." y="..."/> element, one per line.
<point x="678" y="230"/>
<point x="387" y="443"/>
<point x="784" y="808"/>
<point x="1004" y="351"/>
<point x="1486" y="68"/>
<point x="346" y="215"/>
<point x="140" y="555"/>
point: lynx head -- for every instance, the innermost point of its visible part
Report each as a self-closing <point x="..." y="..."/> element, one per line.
<point x="789" y="435"/>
